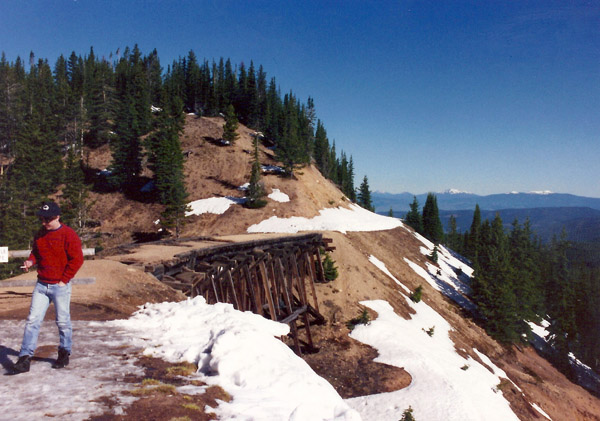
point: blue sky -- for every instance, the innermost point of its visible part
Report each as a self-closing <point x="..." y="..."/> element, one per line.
<point x="481" y="96"/>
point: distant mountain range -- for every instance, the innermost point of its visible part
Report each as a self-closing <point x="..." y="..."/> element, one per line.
<point x="456" y="200"/>
<point x="581" y="224"/>
<point x="548" y="212"/>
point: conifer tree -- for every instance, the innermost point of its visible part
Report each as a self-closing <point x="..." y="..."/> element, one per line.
<point x="473" y="236"/>
<point x="560" y="301"/>
<point x="413" y="217"/>
<point x="192" y="81"/>
<point x="329" y="268"/>
<point x="74" y="202"/>
<point x="453" y="238"/>
<point x="351" y="191"/>
<point x="231" y="124"/>
<point x="256" y="190"/>
<point x="335" y="164"/>
<point x="166" y="161"/>
<point x="12" y="103"/>
<point x="100" y="108"/>
<point x="524" y="261"/>
<point x="131" y="121"/>
<point x="321" y="149"/>
<point x="493" y="288"/>
<point x="289" y="147"/>
<point x="364" y="195"/>
<point x="432" y="226"/>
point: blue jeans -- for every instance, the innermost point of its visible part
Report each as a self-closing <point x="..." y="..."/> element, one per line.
<point x="43" y="295"/>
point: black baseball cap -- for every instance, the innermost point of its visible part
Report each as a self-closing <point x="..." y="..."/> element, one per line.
<point x="48" y="209"/>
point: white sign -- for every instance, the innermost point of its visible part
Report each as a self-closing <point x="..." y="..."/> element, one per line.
<point x="3" y="254"/>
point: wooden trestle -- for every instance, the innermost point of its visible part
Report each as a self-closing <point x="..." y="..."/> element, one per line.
<point x="274" y="278"/>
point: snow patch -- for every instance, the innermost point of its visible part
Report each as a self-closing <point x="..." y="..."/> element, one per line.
<point x="238" y="351"/>
<point x="216" y="205"/>
<point x="385" y="270"/>
<point x="278" y="196"/>
<point x="464" y="389"/>
<point x="330" y="219"/>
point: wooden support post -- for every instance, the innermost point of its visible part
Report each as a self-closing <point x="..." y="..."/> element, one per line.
<point x="236" y="302"/>
<point x="267" y="289"/>
<point x="309" y="264"/>
<point x="321" y="271"/>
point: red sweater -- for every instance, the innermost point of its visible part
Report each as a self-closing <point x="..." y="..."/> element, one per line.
<point x="57" y="254"/>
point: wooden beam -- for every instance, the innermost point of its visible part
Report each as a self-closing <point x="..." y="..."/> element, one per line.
<point x="31" y="282"/>
<point x="14" y="254"/>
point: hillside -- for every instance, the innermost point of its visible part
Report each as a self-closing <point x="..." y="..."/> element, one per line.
<point x="345" y="362"/>
<point x="212" y="170"/>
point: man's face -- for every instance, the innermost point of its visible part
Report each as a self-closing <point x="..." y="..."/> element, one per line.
<point x="50" y="222"/>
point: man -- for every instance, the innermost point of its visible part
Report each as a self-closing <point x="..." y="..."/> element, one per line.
<point x="57" y="253"/>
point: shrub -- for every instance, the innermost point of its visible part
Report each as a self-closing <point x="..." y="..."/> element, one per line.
<point x="434" y="254"/>
<point x="362" y="319"/>
<point x="329" y="268"/>
<point x="416" y="296"/>
<point x="256" y="204"/>
<point x="430" y="331"/>
<point x="407" y="415"/>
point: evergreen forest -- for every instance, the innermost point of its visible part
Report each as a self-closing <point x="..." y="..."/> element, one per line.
<point x="51" y="117"/>
<point x="518" y="279"/>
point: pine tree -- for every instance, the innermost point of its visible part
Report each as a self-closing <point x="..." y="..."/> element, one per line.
<point x="364" y="195"/>
<point x="166" y="161"/>
<point x="131" y="121"/>
<point x="432" y="226"/>
<point x="413" y="217"/>
<point x="289" y="146"/>
<point x="493" y="289"/>
<point x="74" y="202"/>
<point x="100" y="108"/>
<point x="321" y="149"/>
<point x="560" y="301"/>
<point x="351" y="191"/>
<point x="329" y="268"/>
<point x="453" y="238"/>
<point x="524" y="260"/>
<point x="472" y="237"/>
<point x="231" y="124"/>
<point x="256" y="189"/>
<point x="434" y="254"/>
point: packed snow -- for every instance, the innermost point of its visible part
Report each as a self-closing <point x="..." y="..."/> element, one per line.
<point x="278" y="196"/>
<point x="330" y="219"/>
<point x="100" y="361"/>
<point x="240" y="352"/>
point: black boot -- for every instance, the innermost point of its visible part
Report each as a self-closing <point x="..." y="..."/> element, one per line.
<point x="22" y="365"/>
<point x="62" y="360"/>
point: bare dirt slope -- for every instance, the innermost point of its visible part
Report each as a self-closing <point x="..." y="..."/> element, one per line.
<point x="213" y="170"/>
<point x="117" y="292"/>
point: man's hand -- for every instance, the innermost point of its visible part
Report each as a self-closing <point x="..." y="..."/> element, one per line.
<point x="26" y="265"/>
<point x="61" y="284"/>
